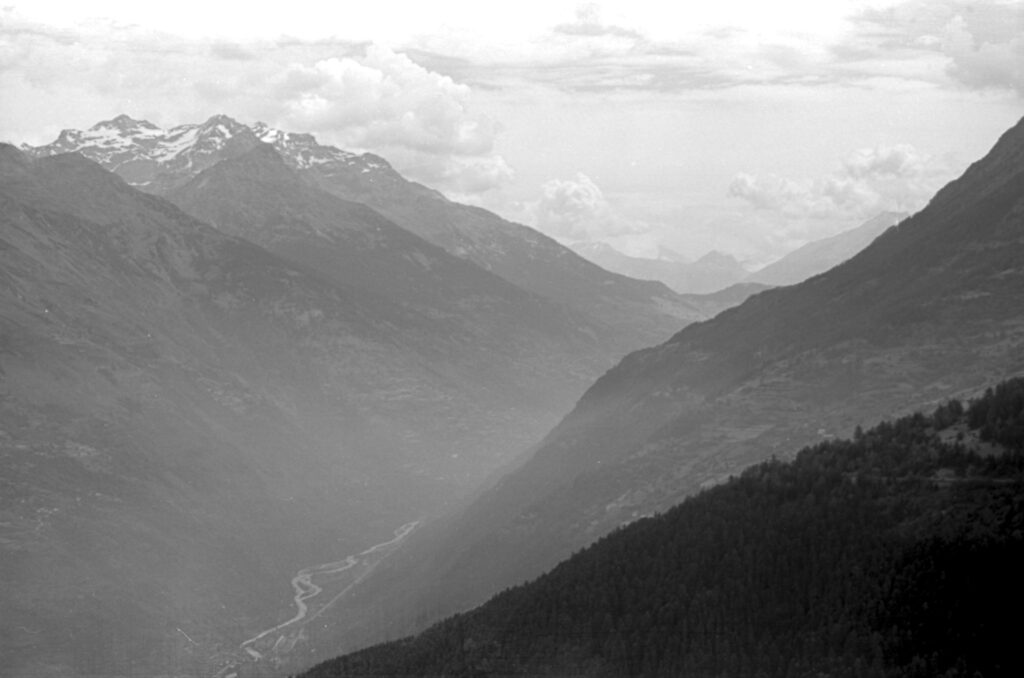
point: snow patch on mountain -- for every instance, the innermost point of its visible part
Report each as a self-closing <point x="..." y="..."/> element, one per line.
<point x="153" y="158"/>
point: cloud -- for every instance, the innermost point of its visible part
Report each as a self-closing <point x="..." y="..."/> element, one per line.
<point x="359" y="97"/>
<point x="231" y="52"/>
<point x="868" y="181"/>
<point x="922" y="43"/>
<point x="385" y="102"/>
<point x="588" y="23"/>
<point x="985" y="62"/>
<point x="463" y="179"/>
<point x="576" y="210"/>
<point x="981" y="43"/>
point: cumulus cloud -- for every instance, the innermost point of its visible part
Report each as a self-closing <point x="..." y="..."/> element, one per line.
<point x="868" y="181"/>
<point x="589" y="24"/>
<point x="464" y="179"/>
<point x="357" y="97"/>
<point x="576" y="210"/>
<point x="985" y="60"/>
<point x="981" y="43"/>
<point x="387" y="103"/>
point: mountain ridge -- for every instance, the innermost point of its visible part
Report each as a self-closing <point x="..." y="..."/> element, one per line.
<point x="185" y="416"/>
<point x="818" y="256"/>
<point x="491" y="323"/>
<point x="813" y="566"/>
<point x="931" y="309"/>
<point x="138" y="442"/>
<point x="635" y="313"/>
<point x="712" y="272"/>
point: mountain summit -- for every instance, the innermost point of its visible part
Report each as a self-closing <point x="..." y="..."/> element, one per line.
<point x="151" y="158"/>
<point x="634" y="313"/>
<point x="157" y="160"/>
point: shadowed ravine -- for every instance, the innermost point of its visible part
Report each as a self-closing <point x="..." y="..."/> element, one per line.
<point x="317" y="588"/>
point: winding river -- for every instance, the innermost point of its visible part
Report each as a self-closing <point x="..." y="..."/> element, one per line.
<point x="309" y="583"/>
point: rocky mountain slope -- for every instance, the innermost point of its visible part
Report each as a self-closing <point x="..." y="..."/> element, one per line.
<point x="187" y="419"/>
<point x="186" y="411"/>
<point x="631" y="313"/>
<point x="821" y="255"/>
<point x="173" y="402"/>
<point x="151" y="158"/>
<point x="930" y="309"/>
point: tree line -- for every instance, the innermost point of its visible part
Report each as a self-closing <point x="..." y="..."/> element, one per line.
<point x="898" y="553"/>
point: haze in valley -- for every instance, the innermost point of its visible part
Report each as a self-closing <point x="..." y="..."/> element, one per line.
<point x="321" y="323"/>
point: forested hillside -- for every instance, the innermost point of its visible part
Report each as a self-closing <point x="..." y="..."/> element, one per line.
<point x="931" y="310"/>
<point x="896" y="553"/>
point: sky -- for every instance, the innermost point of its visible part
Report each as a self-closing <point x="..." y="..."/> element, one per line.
<point x="746" y="127"/>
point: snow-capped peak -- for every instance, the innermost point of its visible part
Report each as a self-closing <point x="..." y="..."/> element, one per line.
<point x="301" y="150"/>
<point x="266" y="133"/>
<point x="148" y="156"/>
<point x="222" y="126"/>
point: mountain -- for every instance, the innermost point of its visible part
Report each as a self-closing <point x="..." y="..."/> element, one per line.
<point x="821" y="255"/>
<point x="187" y="419"/>
<point x="931" y="309"/>
<point x="173" y="401"/>
<point x="149" y="157"/>
<point x="198" y="404"/>
<point x="522" y="356"/>
<point x="633" y="313"/>
<point x="712" y="272"/>
<point x="881" y="555"/>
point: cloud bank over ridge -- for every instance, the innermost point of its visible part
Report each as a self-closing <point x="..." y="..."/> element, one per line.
<point x="871" y="180"/>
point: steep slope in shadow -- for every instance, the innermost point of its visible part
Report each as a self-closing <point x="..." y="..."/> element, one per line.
<point x="819" y="566"/>
<point x="931" y="309"/>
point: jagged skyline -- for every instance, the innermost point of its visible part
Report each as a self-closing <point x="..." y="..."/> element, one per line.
<point x="741" y="128"/>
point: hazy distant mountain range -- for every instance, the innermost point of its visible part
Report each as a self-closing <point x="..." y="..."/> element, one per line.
<point x="819" y="256"/>
<point x="712" y="272"/>
<point x="715" y="271"/>
<point x="931" y="309"/>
